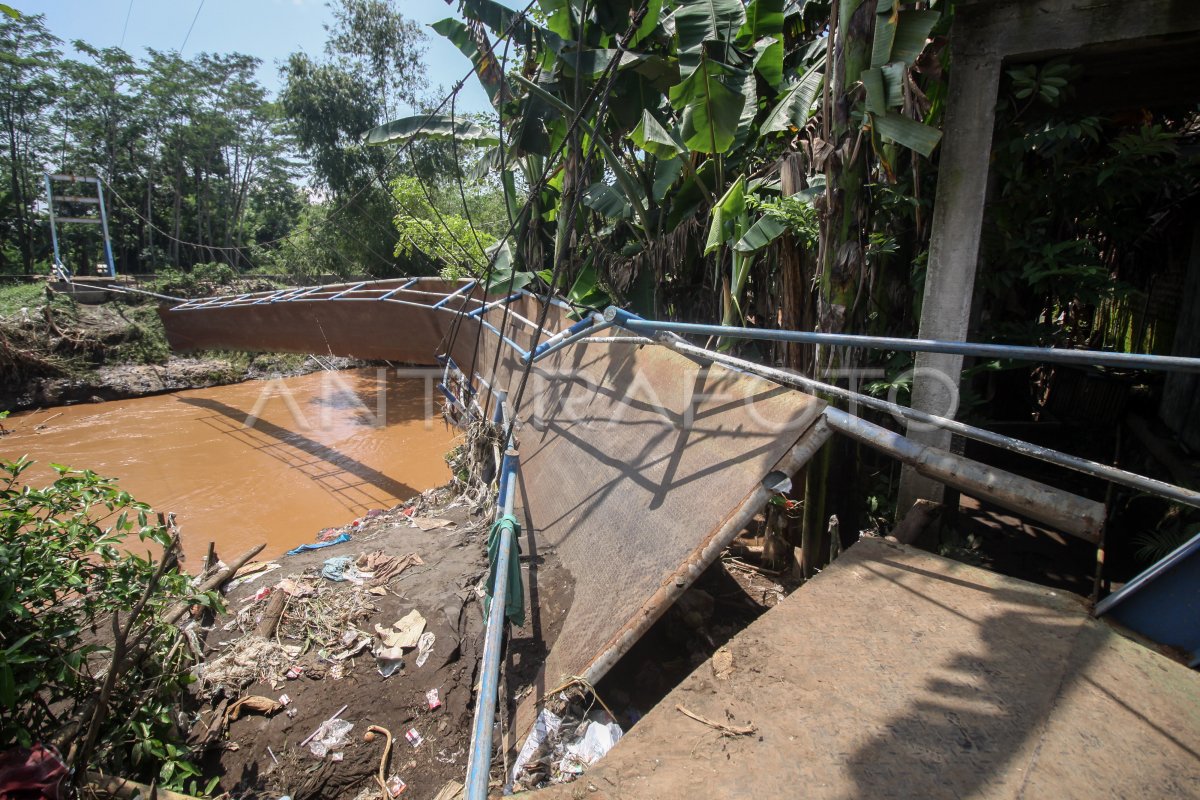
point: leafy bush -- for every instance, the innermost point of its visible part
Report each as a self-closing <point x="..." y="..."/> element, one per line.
<point x="89" y="657"/>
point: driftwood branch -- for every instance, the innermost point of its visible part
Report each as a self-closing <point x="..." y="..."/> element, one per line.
<point x="731" y="730"/>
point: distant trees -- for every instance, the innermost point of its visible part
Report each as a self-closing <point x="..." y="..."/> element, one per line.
<point x="197" y="161"/>
<point x="202" y="165"/>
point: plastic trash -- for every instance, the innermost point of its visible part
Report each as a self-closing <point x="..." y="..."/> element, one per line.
<point x="425" y="647"/>
<point x="545" y="729"/>
<point x="395" y="786"/>
<point x="433" y="699"/>
<point x="335" y="568"/>
<point x="413" y="737"/>
<point x="331" y="735"/>
<point x="304" y="548"/>
<point x="596" y="740"/>
<point x="389" y="660"/>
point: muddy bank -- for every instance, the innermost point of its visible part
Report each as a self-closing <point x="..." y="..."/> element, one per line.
<point x="55" y="351"/>
<point x="126" y="381"/>
<point x="295" y="635"/>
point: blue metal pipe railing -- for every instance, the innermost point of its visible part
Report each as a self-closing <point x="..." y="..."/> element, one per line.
<point x="464" y="288"/>
<point x="564" y="338"/>
<point x="1049" y="355"/>
<point x="486" y="307"/>
<point x="479" y="762"/>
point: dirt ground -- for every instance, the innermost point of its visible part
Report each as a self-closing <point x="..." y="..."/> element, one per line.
<point x="261" y="754"/>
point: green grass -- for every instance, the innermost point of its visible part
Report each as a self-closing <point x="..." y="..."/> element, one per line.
<point x="15" y="296"/>
<point x="148" y="341"/>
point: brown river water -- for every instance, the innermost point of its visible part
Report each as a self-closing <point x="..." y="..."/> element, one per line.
<point x="263" y="461"/>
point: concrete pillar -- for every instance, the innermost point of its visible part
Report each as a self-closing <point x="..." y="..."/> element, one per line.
<point x="953" y="251"/>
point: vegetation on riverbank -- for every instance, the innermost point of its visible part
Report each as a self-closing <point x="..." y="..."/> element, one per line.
<point x="54" y="350"/>
<point x="91" y="659"/>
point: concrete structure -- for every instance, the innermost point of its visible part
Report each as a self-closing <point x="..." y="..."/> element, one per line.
<point x="896" y="673"/>
<point x="1126" y="39"/>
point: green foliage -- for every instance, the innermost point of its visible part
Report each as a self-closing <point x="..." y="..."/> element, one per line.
<point x="1076" y="197"/>
<point x="440" y="235"/>
<point x="1154" y="545"/>
<point x="15" y="296"/>
<point x="85" y="650"/>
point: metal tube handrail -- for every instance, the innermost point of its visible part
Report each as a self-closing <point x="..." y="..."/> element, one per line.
<point x="1049" y="355"/>
<point x="1176" y="493"/>
<point x="479" y="762"/>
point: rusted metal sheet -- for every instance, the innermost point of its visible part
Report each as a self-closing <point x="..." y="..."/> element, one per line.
<point x="638" y="466"/>
<point x="375" y="320"/>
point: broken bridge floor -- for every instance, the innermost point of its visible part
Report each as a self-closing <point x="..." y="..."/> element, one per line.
<point x="897" y="673"/>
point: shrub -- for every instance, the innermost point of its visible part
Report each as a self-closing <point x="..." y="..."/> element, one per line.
<point x="89" y="657"/>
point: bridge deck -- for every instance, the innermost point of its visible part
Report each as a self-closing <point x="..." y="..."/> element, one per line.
<point x="897" y="673"/>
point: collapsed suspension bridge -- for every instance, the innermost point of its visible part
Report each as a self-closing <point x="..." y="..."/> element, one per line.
<point x="635" y="457"/>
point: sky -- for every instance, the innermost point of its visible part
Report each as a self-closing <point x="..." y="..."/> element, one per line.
<point x="268" y="29"/>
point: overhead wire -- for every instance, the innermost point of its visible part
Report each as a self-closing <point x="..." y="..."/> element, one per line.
<point x="125" y="27"/>
<point x="609" y="79"/>
<point x="190" y="27"/>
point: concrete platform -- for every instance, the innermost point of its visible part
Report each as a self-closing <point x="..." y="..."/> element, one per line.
<point x="897" y="673"/>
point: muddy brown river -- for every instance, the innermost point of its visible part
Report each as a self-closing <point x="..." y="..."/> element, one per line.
<point x="263" y="461"/>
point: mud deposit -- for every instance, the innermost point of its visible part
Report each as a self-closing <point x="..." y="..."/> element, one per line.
<point x="261" y="755"/>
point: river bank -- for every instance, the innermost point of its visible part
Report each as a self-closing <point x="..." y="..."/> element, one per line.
<point x="302" y="638"/>
<point x="55" y="351"/>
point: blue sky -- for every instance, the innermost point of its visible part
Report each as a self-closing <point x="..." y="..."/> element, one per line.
<point x="268" y="29"/>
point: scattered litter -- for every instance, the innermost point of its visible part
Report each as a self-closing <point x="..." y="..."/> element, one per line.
<point x="271" y="753"/>
<point x="295" y="589"/>
<point x="338" y="756"/>
<point x="353" y="650"/>
<point x="425" y="648"/>
<point x="597" y="739"/>
<point x="337" y="671"/>
<point x="409" y="629"/>
<point x="260" y="595"/>
<point x="540" y="740"/>
<point x="345" y="537"/>
<point x="442" y="758"/>
<point x="252" y="572"/>
<point x="453" y="790"/>
<point x="328" y="534"/>
<point x="284" y="700"/>
<point x="395" y="786"/>
<point x="389" y="660"/>
<point x="254" y="566"/>
<point x="722" y="663"/>
<point x="294" y="672"/>
<point x="563" y="745"/>
<point x="330" y="735"/>
<point x="430" y="524"/>
<point x="413" y="737"/>
<point x="340" y="568"/>
<point x="251" y="659"/>
<point x="384" y="567"/>
<point x="432" y="698"/>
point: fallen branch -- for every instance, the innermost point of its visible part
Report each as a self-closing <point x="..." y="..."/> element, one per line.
<point x="731" y="730"/>
<point x="387" y="749"/>
<point x="127" y="789"/>
<point x="215" y="582"/>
